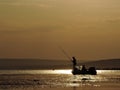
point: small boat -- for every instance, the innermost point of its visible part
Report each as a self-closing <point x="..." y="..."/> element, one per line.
<point x="81" y="70"/>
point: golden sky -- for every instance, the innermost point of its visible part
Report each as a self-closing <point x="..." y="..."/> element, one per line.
<point x="87" y="29"/>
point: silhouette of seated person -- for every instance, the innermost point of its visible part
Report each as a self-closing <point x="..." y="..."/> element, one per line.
<point x="84" y="70"/>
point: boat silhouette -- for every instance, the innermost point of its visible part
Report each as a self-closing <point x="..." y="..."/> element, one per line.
<point x="81" y="70"/>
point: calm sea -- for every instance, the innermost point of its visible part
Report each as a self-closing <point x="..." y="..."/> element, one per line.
<point x="37" y="79"/>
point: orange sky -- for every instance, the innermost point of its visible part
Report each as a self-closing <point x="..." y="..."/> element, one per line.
<point x="87" y="29"/>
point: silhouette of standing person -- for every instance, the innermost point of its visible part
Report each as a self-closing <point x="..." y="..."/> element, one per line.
<point x="74" y="61"/>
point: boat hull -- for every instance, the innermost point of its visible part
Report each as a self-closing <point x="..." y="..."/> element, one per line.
<point x="90" y="71"/>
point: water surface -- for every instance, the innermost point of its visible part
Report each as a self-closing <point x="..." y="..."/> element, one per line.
<point x="37" y="79"/>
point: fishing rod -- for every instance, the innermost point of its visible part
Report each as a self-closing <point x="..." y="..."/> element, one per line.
<point x="64" y="52"/>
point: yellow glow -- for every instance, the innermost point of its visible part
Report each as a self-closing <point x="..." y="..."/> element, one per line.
<point x="88" y="29"/>
<point x="63" y="71"/>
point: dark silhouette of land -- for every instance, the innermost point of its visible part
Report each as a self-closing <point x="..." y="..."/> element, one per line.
<point x="104" y="64"/>
<point x="6" y="64"/>
<point x="32" y="64"/>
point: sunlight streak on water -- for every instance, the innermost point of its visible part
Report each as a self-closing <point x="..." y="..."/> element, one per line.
<point x="60" y="71"/>
<point x="63" y="71"/>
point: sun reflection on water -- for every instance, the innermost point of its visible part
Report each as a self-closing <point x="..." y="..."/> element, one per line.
<point x="63" y="71"/>
<point x="58" y="71"/>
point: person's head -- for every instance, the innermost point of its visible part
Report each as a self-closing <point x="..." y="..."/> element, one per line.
<point x="73" y="58"/>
